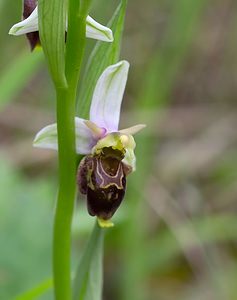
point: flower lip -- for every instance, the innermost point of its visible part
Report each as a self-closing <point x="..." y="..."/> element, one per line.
<point x="103" y="180"/>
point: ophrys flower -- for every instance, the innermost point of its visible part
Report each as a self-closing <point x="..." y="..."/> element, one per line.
<point x="109" y="151"/>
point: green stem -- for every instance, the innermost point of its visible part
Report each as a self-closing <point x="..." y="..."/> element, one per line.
<point x="66" y="152"/>
<point x="66" y="194"/>
<point x="76" y="38"/>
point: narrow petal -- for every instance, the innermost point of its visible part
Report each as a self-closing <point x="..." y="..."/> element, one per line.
<point x="108" y="95"/>
<point x="47" y="137"/>
<point x="132" y="130"/>
<point x="94" y="29"/>
<point x="28" y="25"/>
<point x="97" y="31"/>
<point x="97" y="132"/>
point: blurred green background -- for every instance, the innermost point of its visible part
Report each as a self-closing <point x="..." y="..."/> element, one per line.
<point x="175" y="233"/>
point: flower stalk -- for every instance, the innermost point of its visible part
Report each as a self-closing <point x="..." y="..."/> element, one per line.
<point x="66" y="195"/>
<point x="66" y="98"/>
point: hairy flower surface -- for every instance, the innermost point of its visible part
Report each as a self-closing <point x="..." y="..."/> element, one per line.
<point x="109" y="151"/>
<point x="29" y="26"/>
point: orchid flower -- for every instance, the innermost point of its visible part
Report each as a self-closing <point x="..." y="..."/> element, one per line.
<point x="29" y="25"/>
<point x="100" y="138"/>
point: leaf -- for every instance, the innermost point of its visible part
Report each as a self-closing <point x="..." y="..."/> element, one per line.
<point x="102" y="56"/>
<point x="52" y="27"/>
<point x="88" y="281"/>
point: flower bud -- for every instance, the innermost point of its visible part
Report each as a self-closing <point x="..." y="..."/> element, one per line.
<point x="103" y="179"/>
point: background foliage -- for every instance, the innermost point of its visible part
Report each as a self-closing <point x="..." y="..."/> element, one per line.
<point x="176" y="231"/>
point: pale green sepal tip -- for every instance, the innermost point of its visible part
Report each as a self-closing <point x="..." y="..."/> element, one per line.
<point x="13" y="30"/>
<point x="105" y="223"/>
